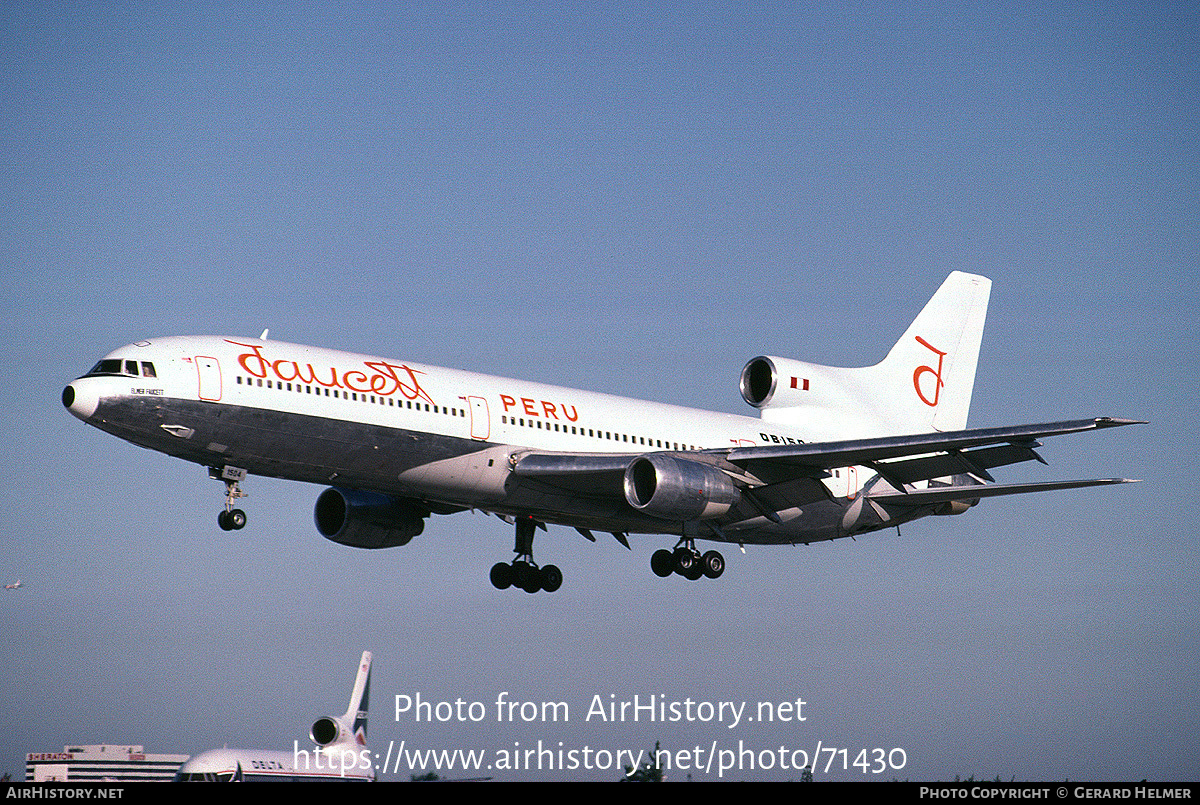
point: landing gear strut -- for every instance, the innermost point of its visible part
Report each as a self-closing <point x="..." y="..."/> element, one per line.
<point x="523" y="572"/>
<point x="230" y="519"/>
<point x="687" y="561"/>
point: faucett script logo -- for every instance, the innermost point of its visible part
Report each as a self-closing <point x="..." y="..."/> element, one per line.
<point x="937" y="375"/>
<point x="383" y="379"/>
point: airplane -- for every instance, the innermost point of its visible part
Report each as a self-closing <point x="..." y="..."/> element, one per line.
<point x="340" y="753"/>
<point x="833" y="453"/>
<point x="15" y="586"/>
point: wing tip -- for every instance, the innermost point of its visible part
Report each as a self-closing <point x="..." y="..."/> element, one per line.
<point x="1116" y="422"/>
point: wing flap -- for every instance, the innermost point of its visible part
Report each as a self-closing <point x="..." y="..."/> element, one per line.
<point x="947" y="494"/>
<point x="828" y="455"/>
<point x="942" y="465"/>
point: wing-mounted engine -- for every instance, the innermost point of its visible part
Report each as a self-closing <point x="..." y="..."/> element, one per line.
<point x="367" y="519"/>
<point x="674" y="488"/>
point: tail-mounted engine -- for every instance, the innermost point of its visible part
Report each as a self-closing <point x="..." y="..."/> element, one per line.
<point x="328" y="730"/>
<point x="770" y="382"/>
<point x="759" y="379"/>
<point x="677" y="489"/>
<point x="367" y="519"/>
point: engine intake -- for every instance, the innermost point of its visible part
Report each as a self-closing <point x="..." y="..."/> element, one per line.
<point x="367" y="519"/>
<point x="677" y="489"/>
<point x="759" y="378"/>
<point x="327" y="730"/>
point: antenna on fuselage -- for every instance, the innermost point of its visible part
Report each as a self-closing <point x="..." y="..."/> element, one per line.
<point x="263" y="337"/>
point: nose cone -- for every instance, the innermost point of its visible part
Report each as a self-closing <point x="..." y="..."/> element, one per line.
<point x="81" y="399"/>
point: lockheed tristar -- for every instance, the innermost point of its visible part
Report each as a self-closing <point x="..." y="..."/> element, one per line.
<point x="833" y="452"/>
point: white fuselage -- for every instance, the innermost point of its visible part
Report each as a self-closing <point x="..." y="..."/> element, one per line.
<point x="338" y="763"/>
<point x="446" y="437"/>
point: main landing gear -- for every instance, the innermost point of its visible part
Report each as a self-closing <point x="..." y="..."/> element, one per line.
<point x="523" y="572"/>
<point x="687" y="561"/>
<point x="230" y="519"/>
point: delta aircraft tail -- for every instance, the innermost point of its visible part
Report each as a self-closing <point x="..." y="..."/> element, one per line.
<point x="923" y="385"/>
<point x="341" y="753"/>
<point x="351" y="726"/>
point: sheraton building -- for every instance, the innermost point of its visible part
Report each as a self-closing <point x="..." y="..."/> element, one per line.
<point x="100" y="764"/>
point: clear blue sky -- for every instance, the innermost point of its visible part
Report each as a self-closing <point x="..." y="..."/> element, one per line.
<point x="631" y="200"/>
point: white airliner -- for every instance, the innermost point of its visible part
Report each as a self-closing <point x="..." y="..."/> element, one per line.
<point x="834" y="452"/>
<point x="16" y="586"/>
<point x="340" y="753"/>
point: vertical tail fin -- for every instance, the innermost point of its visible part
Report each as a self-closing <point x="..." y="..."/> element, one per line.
<point x="932" y="366"/>
<point x="924" y="383"/>
<point x="360" y="699"/>
<point x="351" y="727"/>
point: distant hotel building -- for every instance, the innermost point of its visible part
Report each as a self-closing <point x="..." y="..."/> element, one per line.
<point x="99" y="764"/>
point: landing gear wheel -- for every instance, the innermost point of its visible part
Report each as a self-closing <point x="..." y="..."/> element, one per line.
<point x="502" y="575"/>
<point x="527" y="577"/>
<point x="662" y="563"/>
<point x="231" y="519"/>
<point x="523" y="572"/>
<point x="552" y="578"/>
<point x="237" y="519"/>
<point x="713" y="564"/>
<point x="686" y="561"/>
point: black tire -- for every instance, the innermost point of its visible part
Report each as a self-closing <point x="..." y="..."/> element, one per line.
<point x="552" y="578"/>
<point x="502" y="575"/>
<point x="527" y="577"/>
<point x="713" y="564"/>
<point x="237" y="520"/>
<point x="662" y="563"/>
<point x="685" y="561"/>
<point x="223" y="521"/>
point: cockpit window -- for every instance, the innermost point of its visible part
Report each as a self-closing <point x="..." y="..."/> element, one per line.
<point x="120" y="368"/>
<point x="106" y="367"/>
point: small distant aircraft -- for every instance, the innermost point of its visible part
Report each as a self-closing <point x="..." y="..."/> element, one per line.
<point x="340" y="754"/>
<point x="15" y="586"/>
<point x="834" y="452"/>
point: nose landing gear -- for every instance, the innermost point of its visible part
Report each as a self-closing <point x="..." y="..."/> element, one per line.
<point x="230" y="519"/>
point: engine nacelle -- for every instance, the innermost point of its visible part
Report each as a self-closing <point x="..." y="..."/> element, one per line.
<point x="955" y="507"/>
<point x="367" y="519"/>
<point x="771" y="382"/>
<point x="677" y="489"/>
<point x="327" y="730"/>
<point x="759" y="378"/>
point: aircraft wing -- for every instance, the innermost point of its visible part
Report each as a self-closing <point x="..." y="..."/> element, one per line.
<point x="900" y="460"/>
<point x="948" y="494"/>
<point x="920" y="457"/>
